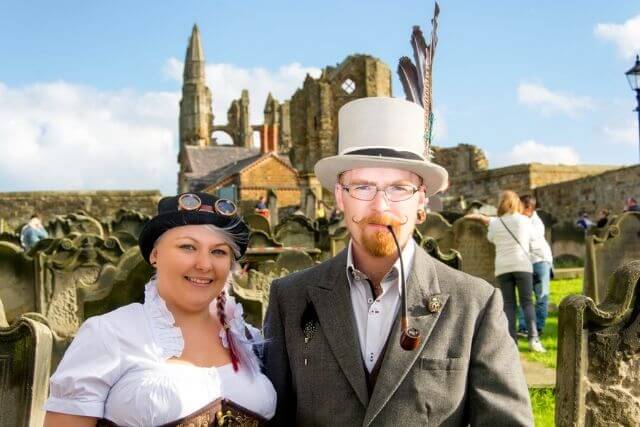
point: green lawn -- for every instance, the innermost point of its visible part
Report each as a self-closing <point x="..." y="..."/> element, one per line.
<point x="543" y="400"/>
<point x="559" y="290"/>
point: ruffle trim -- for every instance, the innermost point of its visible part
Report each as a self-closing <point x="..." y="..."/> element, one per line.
<point x="168" y="336"/>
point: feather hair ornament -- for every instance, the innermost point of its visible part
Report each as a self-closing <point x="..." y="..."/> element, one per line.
<point x="416" y="78"/>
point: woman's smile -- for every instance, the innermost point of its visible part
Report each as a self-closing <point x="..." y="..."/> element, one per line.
<point x="201" y="282"/>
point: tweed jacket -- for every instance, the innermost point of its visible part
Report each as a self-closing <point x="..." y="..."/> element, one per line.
<point x="466" y="370"/>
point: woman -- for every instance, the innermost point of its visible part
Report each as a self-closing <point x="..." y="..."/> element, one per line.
<point x="184" y="348"/>
<point x="511" y="234"/>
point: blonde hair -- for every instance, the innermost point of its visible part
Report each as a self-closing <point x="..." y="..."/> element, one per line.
<point x="509" y="203"/>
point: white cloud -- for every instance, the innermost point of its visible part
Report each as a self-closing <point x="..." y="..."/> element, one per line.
<point x="530" y="151"/>
<point x="61" y="136"/>
<point x="227" y="81"/>
<point x="626" y="134"/>
<point x="548" y="102"/>
<point x="626" y="36"/>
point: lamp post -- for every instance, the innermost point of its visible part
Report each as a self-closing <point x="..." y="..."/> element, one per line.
<point x="633" y="76"/>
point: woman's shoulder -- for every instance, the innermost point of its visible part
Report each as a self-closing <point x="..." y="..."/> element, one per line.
<point x="118" y="321"/>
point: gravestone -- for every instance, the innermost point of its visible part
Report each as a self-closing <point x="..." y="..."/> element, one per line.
<point x="296" y="231"/>
<point x="260" y="239"/>
<point x="7" y="236"/>
<point x="272" y="204"/>
<point x="257" y="222"/>
<point x="17" y="279"/>
<point x="619" y="244"/>
<point x="310" y="203"/>
<point x="477" y="252"/>
<point x="437" y="227"/>
<point x="25" y="357"/>
<point x="293" y="261"/>
<point x="251" y="289"/>
<point x="128" y="221"/>
<point x="452" y="258"/>
<point x="598" y="375"/>
<point x="567" y="242"/>
<point x="339" y="240"/>
<point x="63" y="225"/>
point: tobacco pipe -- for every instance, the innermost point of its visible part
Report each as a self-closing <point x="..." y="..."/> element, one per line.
<point x="410" y="337"/>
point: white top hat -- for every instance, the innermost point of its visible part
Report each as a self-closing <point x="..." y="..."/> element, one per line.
<point x="382" y="133"/>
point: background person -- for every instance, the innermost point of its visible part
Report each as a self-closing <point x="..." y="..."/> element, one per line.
<point x="185" y="347"/>
<point x="542" y="263"/>
<point x="32" y="232"/>
<point x="512" y="235"/>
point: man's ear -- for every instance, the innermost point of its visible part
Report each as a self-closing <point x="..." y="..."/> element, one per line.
<point x="337" y="192"/>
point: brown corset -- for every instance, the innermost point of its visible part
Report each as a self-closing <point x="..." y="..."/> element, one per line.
<point x="220" y="412"/>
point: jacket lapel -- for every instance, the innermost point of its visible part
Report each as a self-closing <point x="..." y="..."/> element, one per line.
<point x="332" y="301"/>
<point x="397" y="362"/>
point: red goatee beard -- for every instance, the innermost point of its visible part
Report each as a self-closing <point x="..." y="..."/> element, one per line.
<point x="379" y="243"/>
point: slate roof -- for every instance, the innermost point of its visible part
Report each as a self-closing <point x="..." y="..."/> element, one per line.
<point x="212" y="164"/>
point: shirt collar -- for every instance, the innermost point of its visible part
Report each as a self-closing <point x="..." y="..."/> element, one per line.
<point x="408" y="254"/>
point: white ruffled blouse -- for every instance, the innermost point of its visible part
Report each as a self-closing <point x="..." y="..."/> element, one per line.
<point x="116" y="368"/>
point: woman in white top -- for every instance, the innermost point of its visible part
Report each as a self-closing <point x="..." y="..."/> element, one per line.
<point x="511" y="234"/>
<point x="185" y="347"/>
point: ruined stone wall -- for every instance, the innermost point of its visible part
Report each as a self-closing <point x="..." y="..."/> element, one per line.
<point x="486" y="185"/>
<point x="16" y="208"/>
<point x="606" y="190"/>
<point x="313" y="109"/>
<point x="460" y="160"/>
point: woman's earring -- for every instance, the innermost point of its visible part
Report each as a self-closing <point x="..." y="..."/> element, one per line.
<point x="422" y="215"/>
<point x="153" y="263"/>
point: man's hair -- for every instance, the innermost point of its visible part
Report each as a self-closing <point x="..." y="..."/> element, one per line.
<point x="528" y="201"/>
<point x="509" y="203"/>
<point x="35" y="215"/>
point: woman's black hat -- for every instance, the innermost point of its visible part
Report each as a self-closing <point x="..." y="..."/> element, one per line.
<point x="193" y="209"/>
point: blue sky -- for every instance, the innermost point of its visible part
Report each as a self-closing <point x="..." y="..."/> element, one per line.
<point x="89" y="90"/>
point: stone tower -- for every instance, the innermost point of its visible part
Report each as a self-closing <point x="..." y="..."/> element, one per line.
<point x="196" y="116"/>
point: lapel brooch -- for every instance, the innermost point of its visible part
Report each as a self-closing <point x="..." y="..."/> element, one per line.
<point x="434" y="304"/>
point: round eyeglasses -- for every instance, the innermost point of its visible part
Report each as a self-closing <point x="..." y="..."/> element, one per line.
<point x="394" y="192"/>
<point x="190" y="202"/>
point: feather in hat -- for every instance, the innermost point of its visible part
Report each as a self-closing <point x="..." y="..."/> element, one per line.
<point x="416" y="78"/>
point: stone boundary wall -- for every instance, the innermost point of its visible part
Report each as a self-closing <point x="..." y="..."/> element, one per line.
<point x="605" y="190"/>
<point x="17" y="207"/>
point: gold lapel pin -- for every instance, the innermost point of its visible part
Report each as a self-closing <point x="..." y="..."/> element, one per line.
<point x="434" y="304"/>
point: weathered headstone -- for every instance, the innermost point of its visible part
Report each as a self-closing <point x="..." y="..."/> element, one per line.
<point x="292" y="261"/>
<point x="477" y="252"/>
<point x="567" y="242"/>
<point x="598" y="375"/>
<point x="604" y="254"/>
<point x="25" y="357"/>
<point x="272" y="204"/>
<point x="17" y="279"/>
<point x="310" y="202"/>
<point x="339" y="240"/>
<point x="128" y="221"/>
<point x="296" y="231"/>
<point x="437" y="227"/>
<point x="10" y="237"/>
<point x="258" y="222"/>
<point x="452" y="257"/>
<point x="63" y="225"/>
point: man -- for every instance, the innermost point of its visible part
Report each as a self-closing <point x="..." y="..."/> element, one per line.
<point x="332" y="331"/>
<point x="542" y="260"/>
<point x="32" y="232"/>
<point x="583" y="220"/>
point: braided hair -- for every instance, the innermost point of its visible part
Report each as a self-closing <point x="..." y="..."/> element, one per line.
<point x="221" y="301"/>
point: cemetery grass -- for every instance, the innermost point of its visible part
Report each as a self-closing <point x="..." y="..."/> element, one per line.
<point x="543" y="404"/>
<point x="559" y="290"/>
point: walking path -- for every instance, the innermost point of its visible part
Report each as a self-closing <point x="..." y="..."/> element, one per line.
<point x="538" y="375"/>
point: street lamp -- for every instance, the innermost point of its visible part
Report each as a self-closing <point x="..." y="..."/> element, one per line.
<point x="633" y="75"/>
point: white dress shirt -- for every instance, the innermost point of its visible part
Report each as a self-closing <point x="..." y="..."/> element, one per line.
<point x="540" y="249"/>
<point x="375" y="317"/>
<point x="116" y="368"/>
